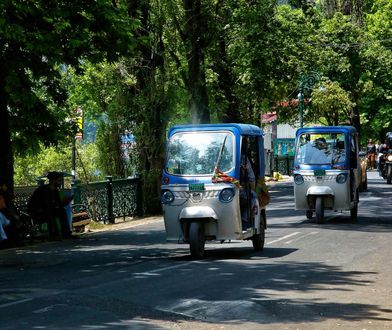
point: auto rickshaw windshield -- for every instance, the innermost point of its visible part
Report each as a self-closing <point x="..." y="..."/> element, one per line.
<point x="324" y="148"/>
<point x="197" y="153"/>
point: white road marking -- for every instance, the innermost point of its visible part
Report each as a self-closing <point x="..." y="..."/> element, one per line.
<point x="298" y="238"/>
<point x="284" y="237"/>
<point x="156" y="271"/>
<point x="15" y="302"/>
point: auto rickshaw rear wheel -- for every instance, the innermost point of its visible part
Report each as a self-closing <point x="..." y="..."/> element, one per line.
<point x="354" y="210"/>
<point x="319" y="210"/>
<point x="196" y="239"/>
<point x="309" y="214"/>
<point x="259" y="239"/>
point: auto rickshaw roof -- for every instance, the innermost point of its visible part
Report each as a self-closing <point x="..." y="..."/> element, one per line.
<point x="327" y="129"/>
<point x="243" y="129"/>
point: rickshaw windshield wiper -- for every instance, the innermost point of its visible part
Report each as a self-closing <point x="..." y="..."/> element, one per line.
<point x="220" y="153"/>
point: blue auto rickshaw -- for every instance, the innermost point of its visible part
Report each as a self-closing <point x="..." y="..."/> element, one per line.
<point x="327" y="170"/>
<point x="207" y="192"/>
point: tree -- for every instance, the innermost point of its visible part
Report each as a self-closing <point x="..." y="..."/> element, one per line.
<point x="36" y="39"/>
<point x="376" y="106"/>
<point x="331" y="105"/>
<point x="188" y="26"/>
<point x="133" y="95"/>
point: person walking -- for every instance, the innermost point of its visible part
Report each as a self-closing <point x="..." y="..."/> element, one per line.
<point x="371" y="153"/>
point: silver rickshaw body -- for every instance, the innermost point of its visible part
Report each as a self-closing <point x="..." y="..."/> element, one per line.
<point x="196" y="207"/>
<point x="333" y="182"/>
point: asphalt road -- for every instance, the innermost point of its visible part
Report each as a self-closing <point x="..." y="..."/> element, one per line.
<point x="331" y="276"/>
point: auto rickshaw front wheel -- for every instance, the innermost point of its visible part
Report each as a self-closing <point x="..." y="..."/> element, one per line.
<point x="196" y="239"/>
<point x="319" y="210"/>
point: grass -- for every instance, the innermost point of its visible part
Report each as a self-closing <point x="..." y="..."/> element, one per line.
<point x="96" y="225"/>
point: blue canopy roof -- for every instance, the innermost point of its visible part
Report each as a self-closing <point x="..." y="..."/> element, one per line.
<point x="243" y="129"/>
<point x="332" y="129"/>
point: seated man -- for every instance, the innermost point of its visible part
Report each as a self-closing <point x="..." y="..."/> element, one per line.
<point x="10" y="217"/>
<point x="46" y="206"/>
<point x="4" y="222"/>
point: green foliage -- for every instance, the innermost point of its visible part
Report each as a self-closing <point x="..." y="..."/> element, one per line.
<point x="331" y="104"/>
<point x="37" y="39"/>
<point x="40" y="36"/>
<point x="234" y="59"/>
<point x="379" y="21"/>
<point x="110" y="159"/>
<point x="29" y="168"/>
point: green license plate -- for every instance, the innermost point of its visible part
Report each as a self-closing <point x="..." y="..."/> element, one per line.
<point x="196" y="186"/>
<point x="319" y="172"/>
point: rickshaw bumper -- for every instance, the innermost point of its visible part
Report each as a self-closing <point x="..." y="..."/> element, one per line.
<point x="319" y="191"/>
<point x="198" y="212"/>
<point x="316" y="191"/>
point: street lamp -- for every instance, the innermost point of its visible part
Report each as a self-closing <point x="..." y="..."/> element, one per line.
<point x="306" y="81"/>
<point x="300" y="99"/>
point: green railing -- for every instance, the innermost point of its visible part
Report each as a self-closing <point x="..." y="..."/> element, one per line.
<point x="104" y="200"/>
<point x="282" y="164"/>
<point x="110" y="199"/>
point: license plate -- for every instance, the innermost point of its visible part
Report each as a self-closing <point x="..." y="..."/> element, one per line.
<point x="319" y="172"/>
<point x="196" y="186"/>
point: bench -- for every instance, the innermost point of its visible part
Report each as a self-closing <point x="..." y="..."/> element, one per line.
<point x="80" y="218"/>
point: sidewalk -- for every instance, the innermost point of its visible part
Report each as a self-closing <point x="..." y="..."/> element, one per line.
<point x="120" y="224"/>
<point x="128" y="222"/>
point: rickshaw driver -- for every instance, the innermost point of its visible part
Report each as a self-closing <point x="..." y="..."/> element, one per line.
<point x="319" y="152"/>
<point x="248" y="188"/>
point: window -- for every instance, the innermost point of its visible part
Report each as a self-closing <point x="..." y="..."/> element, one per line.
<point x="197" y="153"/>
<point x="321" y="148"/>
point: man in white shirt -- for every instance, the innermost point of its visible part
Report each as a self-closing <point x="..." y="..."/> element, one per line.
<point x="319" y="153"/>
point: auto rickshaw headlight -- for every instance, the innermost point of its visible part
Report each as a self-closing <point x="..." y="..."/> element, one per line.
<point x="298" y="179"/>
<point x="389" y="158"/>
<point x="167" y="197"/>
<point x="341" y="178"/>
<point x="226" y="195"/>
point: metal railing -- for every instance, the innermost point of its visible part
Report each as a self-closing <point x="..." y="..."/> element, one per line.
<point x="282" y="164"/>
<point x="104" y="200"/>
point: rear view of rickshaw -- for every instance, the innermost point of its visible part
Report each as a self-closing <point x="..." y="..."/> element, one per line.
<point x="213" y="176"/>
<point x="326" y="170"/>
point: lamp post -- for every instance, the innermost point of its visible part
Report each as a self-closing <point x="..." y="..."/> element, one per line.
<point x="306" y="81"/>
<point x="301" y="99"/>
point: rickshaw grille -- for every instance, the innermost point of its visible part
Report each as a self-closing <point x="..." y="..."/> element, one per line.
<point x="313" y="178"/>
<point x="205" y="194"/>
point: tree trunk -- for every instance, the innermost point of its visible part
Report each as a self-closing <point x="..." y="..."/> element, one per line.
<point x="230" y="113"/>
<point x="355" y="119"/>
<point x="151" y="130"/>
<point x="198" y="102"/>
<point x="6" y="156"/>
